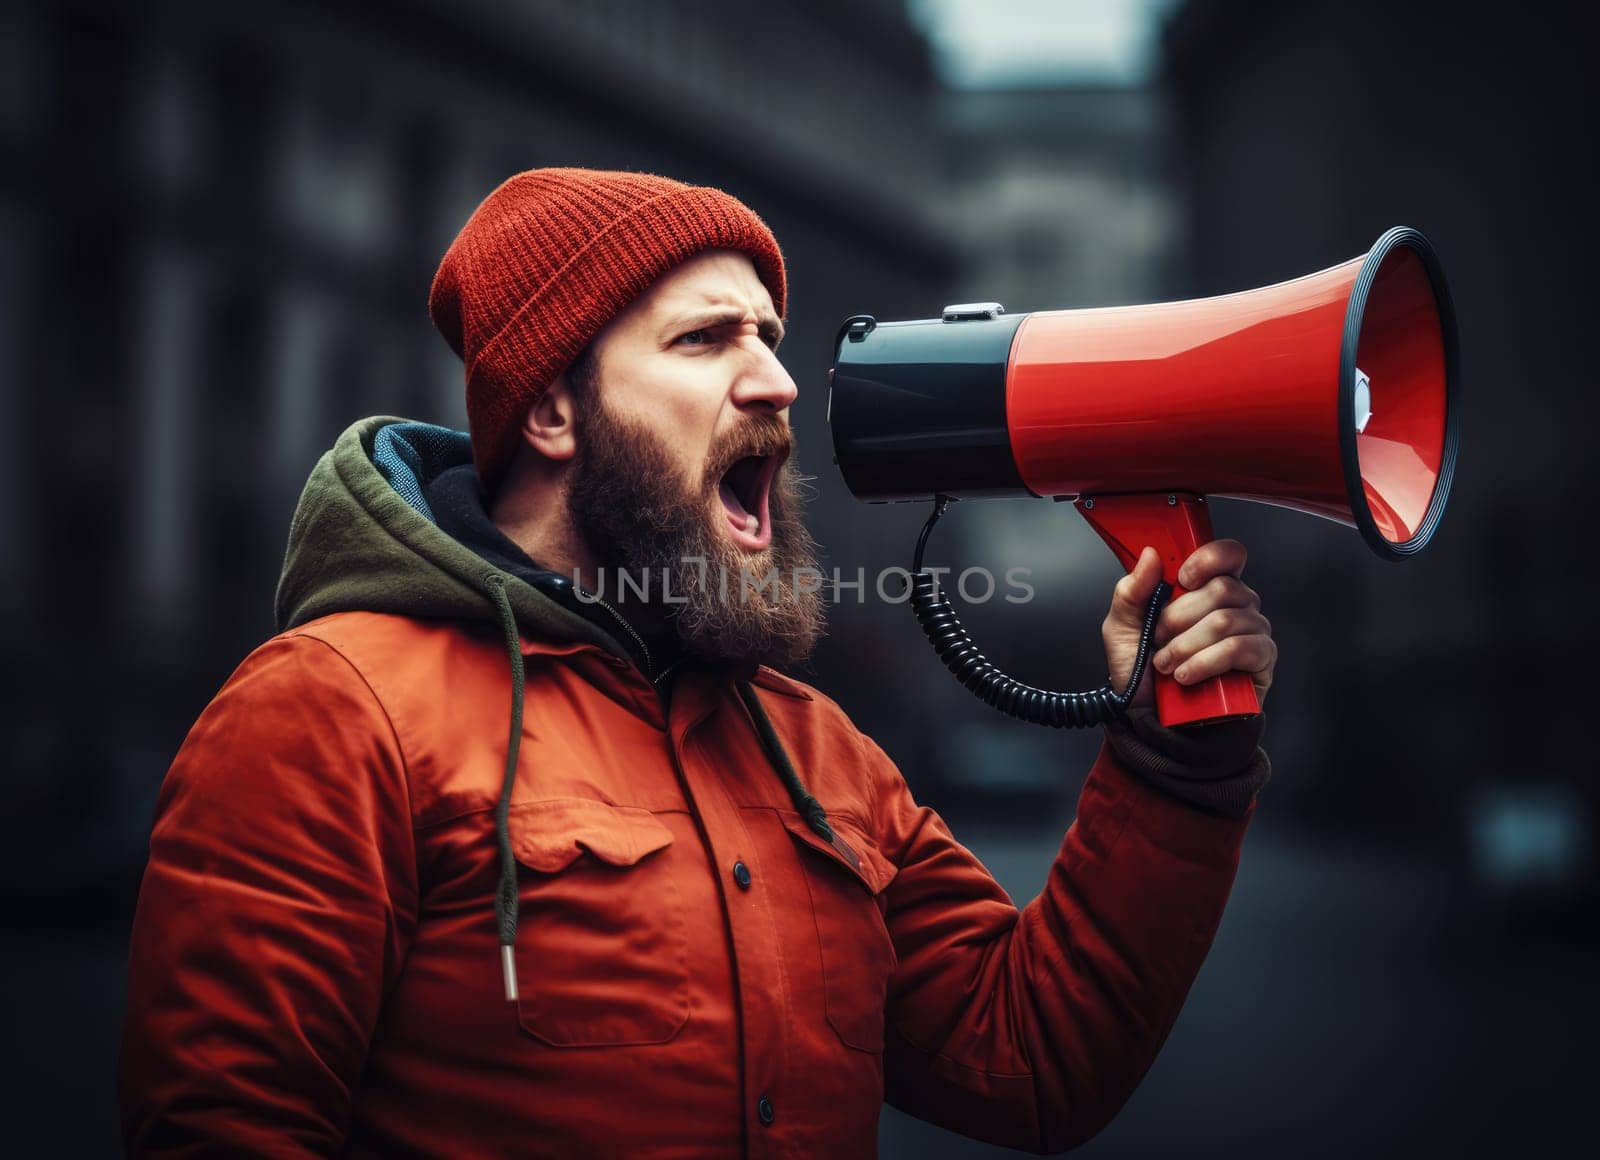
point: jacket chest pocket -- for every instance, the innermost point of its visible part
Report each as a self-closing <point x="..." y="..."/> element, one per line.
<point x="846" y="879"/>
<point x="602" y="949"/>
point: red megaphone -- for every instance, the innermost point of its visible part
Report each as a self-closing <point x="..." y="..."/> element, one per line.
<point x="1334" y="394"/>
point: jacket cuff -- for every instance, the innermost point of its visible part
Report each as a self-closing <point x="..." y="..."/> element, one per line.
<point x="1216" y="768"/>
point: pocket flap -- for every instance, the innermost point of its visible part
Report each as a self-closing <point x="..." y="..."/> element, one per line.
<point x="850" y="848"/>
<point x="550" y="835"/>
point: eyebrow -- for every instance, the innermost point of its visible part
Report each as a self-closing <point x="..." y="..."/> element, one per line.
<point x="768" y="325"/>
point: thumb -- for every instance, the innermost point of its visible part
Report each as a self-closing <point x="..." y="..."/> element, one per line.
<point x="1132" y="593"/>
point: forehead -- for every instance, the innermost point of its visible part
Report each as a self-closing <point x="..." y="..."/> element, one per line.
<point x="710" y="278"/>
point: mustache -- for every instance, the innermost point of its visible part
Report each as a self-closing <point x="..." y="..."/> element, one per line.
<point x="761" y="436"/>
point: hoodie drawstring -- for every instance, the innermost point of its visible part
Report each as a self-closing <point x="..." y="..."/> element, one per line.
<point x="506" y="896"/>
<point x="809" y="807"/>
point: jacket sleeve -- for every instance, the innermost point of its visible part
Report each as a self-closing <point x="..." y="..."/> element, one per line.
<point x="1031" y="1028"/>
<point x="276" y="907"/>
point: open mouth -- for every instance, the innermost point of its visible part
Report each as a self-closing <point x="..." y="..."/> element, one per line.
<point x="745" y="491"/>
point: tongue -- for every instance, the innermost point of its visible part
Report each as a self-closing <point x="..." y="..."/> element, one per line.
<point x="737" y="513"/>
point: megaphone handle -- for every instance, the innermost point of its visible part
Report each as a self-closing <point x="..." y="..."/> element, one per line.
<point x="1175" y="524"/>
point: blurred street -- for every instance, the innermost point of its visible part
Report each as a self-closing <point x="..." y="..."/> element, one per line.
<point x="1351" y="1006"/>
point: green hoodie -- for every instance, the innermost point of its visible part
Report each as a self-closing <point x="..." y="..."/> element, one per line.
<point x="363" y="539"/>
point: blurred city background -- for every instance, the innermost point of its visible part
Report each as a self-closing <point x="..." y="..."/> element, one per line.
<point x="218" y="224"/>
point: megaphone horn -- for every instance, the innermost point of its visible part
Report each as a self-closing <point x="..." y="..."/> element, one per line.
<point x="1333" y="394"/>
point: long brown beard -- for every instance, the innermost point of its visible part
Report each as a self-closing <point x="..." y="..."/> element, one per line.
<point x="628" y="503"/>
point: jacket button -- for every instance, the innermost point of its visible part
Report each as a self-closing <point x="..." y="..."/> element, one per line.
<point x="741" y="875"/>
<point x="765" y="1111"/>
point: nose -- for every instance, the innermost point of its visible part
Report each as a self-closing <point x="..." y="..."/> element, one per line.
<point x="764" y="383"/>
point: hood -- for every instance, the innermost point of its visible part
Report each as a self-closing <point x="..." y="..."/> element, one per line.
<point x="364" y="540"/>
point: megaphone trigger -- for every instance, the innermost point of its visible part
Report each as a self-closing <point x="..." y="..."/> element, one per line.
<point x="1174" y="525"/>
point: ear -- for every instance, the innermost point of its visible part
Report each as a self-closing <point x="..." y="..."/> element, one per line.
<point x="548" y="426"/>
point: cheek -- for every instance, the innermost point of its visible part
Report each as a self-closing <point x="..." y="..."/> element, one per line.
<point x="687" y="423"/>
<point x="680" y="406"/>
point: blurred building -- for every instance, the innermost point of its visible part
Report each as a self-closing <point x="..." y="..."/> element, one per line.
<point x="1064" y="194"/>
<point x="1414" y="907"/>
<point x="1441" y="699"/>
<point x="218" y="225"/>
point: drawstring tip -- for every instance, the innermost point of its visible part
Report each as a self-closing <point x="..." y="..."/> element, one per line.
<point x="508" y="966"/>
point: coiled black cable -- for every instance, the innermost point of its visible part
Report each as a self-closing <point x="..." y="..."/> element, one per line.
<point x="1011" y="696"/>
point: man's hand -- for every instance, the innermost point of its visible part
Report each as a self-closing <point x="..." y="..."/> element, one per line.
<point x="1213" y="628"/>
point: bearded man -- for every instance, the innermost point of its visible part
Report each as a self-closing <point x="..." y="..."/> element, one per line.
<point x="724" y="925"/>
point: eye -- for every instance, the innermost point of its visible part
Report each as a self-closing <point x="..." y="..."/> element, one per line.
<point x="699" y="337"/>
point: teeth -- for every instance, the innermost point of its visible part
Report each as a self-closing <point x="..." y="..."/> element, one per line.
<point x="752" y="524"/>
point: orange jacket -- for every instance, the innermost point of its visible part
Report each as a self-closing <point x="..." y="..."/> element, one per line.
<point x="314" y="966"/>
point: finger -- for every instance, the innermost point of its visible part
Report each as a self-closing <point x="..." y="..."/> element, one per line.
<point x="1191" y="608"/>
<point x="1218" y="558"/>
<point x="1255" y="655"/>
<point x="1132" y="594"/>
<point x="1218" y="624"/>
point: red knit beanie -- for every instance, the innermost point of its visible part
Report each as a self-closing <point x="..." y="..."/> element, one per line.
<point x="548" y="259"/>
